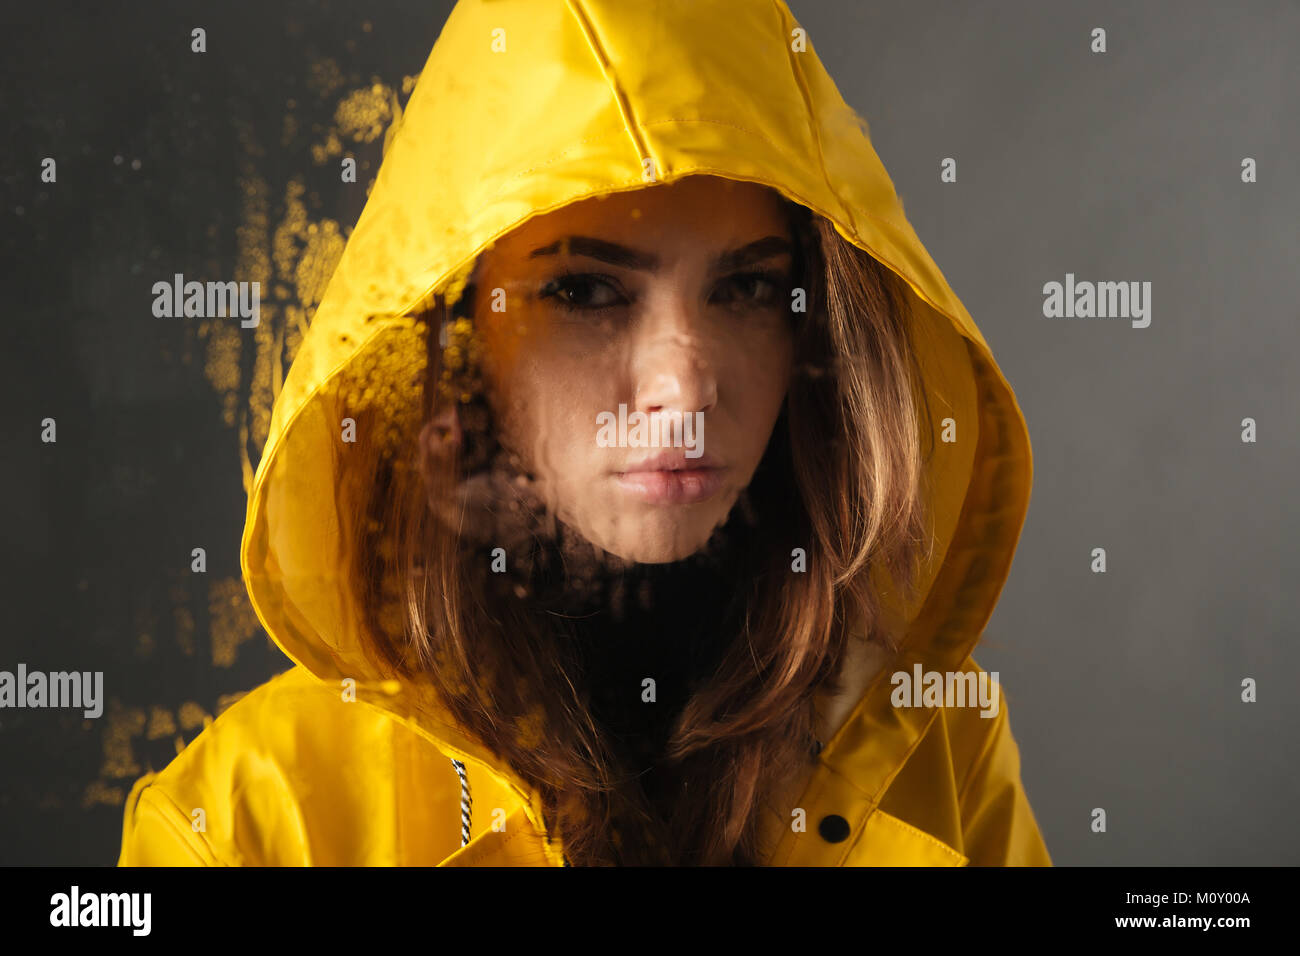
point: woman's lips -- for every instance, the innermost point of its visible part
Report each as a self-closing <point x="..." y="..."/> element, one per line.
<point x="672" y="478"/>
<point x="671" y="486"/>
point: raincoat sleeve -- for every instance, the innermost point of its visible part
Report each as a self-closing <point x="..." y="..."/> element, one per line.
<point x="998" y="825"/>
<point x="156" y="833"/>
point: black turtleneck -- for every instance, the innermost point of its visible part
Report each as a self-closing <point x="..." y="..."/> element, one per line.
<point x="669" y="622"/>
<point x="671" y="630"/>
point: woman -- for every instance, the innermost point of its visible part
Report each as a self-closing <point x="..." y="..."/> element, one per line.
<point x="636" y="458"/>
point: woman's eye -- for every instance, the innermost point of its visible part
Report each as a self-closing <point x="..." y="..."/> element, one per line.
<point x="752" y="288"/>
<point x="581" y="292"/>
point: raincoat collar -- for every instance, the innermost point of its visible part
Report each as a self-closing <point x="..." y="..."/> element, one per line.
<point x="525" y="106"/>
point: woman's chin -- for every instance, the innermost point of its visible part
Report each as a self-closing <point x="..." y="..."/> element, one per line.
<point x="655" y="542"/>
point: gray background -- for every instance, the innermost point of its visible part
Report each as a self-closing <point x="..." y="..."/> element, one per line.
<point x="1124" y="688"/>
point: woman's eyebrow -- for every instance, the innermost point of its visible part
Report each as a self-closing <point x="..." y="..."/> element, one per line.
<point x="630" y="258"/>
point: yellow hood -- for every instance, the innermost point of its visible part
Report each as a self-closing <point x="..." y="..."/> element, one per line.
<point x="525" y="106"/>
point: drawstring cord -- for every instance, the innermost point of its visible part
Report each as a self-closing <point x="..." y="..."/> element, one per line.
<point x="465" y="804"/>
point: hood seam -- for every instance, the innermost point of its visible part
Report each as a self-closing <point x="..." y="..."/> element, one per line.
<point x="620" y="97"/>
<point x="813" y="124"/>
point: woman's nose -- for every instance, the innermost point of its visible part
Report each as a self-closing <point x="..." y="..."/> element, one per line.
<point x="673" y="362"/>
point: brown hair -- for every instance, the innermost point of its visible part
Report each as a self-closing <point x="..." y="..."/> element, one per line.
<point x="842" y="478"/>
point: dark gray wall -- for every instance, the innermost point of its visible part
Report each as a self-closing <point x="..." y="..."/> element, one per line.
<point x="1125" y="687"/>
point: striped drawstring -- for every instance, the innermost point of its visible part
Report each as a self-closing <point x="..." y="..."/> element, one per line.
<point x="465" y="805"/>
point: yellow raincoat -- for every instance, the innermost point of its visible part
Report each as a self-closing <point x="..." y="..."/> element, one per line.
<point x="524" y="106"/>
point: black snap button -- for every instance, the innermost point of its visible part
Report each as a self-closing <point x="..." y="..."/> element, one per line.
<point x="834" y="828"/>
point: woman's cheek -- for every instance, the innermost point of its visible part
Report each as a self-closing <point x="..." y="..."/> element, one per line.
<point x="762" y="375"/>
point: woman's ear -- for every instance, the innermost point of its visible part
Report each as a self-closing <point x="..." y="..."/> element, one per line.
<point x="439" y="443"/>
<point x="441" y="433"/>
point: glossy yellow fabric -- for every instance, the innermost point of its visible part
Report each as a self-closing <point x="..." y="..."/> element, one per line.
<point x="524" y="106"/>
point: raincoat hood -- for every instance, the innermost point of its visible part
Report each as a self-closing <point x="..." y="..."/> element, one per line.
<point x="525" y="106"/>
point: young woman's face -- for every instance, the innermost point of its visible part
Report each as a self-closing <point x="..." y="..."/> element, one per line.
<point x="638" y="325"/>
